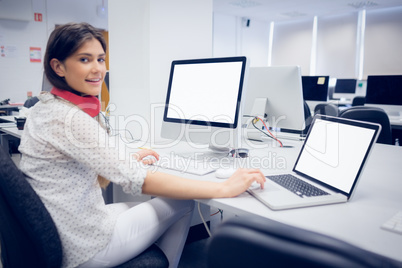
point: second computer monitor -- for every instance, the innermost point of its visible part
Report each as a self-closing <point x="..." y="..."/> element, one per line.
<point x="385" y="91"/>
<point x="281" y="87"/>
<point x="315" y="88"/>
<point x="345" y="88"/>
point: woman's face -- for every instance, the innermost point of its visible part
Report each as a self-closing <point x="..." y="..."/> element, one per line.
<point x="84" y="70"/>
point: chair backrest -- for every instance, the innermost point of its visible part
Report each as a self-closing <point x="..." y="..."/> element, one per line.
<point x="31" y="102"/>
<point x="257" y="242"/>
<point x="326" y="109"/>
<point x="374" y="115"/>
<point x="358" y="101"/>
<point x="307" y="117"/>
<point x="28" y="235"/>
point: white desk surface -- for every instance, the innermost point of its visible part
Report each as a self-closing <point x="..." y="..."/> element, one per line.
<point x="396" y="122"/>
<point x="377" y="198"/>
<point x="13" y="131"/>
<point x="10" y="118"/>
<point x="8" y="129"/>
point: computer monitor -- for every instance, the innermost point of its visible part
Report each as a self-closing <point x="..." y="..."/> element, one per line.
<point x="345" y="89"/>
<point x="281" y="88"/>
<point x="204" y="102"/>
<point x="315" y="88"/>
<point x="385" y="91"/>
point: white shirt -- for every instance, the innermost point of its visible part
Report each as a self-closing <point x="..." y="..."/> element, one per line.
<point x="63" y="151"/>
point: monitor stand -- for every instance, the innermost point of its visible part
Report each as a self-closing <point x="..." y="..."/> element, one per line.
<point x="214" y="152"/>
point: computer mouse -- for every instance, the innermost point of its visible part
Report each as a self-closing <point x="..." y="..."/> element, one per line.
<point x="254" y="186"/>
<point x="224" y="173"/>
<point x="149" y="160"/>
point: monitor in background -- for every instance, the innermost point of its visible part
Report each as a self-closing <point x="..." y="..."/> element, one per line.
<point x="345" y="89"/>
<point x="46" y="86"/>
<point x="281" y="89"/>
<point x="203" y="102"/>
<point x="315" y="88"/>
<point x="385" y="91"/>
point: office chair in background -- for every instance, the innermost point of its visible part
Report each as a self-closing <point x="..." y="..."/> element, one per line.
<point x="31" y="102"/>
<point x="358" y="101"/>
<point x="257" y="242"/>
<point x="28" y="235"/>
<point x="326" y="109"/>
<point x="374" y="115"/>
<point x="307" y="117"/>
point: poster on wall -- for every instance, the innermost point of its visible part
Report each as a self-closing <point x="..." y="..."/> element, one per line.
<point x="8" y="51"/>
<point x="35" y="54"/>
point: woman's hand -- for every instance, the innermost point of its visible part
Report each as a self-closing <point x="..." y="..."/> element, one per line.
<point x="147" y="156"/>
<point x="241" y="180"/>
<point x="168" y="185"/>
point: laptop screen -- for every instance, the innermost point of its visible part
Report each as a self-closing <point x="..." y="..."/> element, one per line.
<point x="335" y="151"/>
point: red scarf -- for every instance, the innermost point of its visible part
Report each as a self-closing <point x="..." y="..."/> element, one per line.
<point x="89" y="104"/>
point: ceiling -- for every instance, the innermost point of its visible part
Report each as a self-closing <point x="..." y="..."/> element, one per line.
<point x="282" y="10"/>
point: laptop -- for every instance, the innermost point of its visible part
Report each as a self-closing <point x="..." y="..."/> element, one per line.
<point x="330" y="162"/>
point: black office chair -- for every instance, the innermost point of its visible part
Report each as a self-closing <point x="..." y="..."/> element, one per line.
<point x="358" y="101"/>
<point x="326" y="109"/>
<point x="31" y="102"/>
<point x="307" y="117"/>
<point x="28" y="235"/>
<point x="374" y="115"/>
<point x="257" y="242"/>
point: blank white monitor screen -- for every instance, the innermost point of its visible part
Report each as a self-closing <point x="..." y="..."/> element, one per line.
<point x="204" y="92"/>
<point x="334" y="152"/>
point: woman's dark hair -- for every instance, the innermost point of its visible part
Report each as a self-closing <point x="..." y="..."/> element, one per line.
<point x="64" y="41"/>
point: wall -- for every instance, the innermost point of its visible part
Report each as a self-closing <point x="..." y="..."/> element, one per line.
<point x="17" y="73"/>
<point x="145" y="37"/>
<point x="351" y="45"/>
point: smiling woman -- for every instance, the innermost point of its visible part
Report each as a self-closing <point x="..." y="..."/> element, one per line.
<point x="74" y="42"/>
<point x="85" y="69"/>
<point x="66" y="149"/>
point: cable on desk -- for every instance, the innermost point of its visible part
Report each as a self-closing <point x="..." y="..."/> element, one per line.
<point x="270" y="135"/>
<point x="219" y="211"/>
<point x="109" y="129"/>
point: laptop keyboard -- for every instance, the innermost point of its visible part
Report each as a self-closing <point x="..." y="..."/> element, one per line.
<point x="296" y="185"/>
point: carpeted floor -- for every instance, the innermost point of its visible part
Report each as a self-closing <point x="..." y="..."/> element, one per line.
<point x="194" y="255"/>
<point x="195" y="251"/>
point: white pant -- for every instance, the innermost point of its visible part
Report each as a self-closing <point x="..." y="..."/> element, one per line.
<point x="161" y="220"/>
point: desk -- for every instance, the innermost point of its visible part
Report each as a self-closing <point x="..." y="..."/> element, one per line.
<point x="7" y="118"/>
<point x="9" y="132"/>
<point x="10" y="108"/>
<point x="396" y="123"/>
<point x="377" y="198"/>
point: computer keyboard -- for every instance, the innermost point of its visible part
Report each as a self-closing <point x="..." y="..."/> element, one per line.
<point x="296" y="185"/>
<point x="186" y="165"/>
<point x="394" y="224"/>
